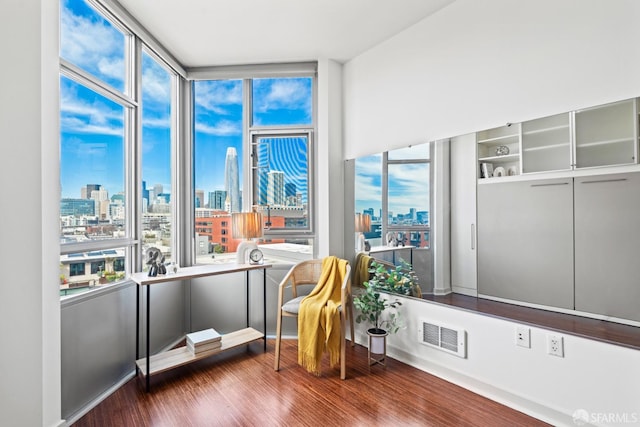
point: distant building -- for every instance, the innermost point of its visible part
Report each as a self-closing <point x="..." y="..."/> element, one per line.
<point x="290" y="189"/>
<point x="232" y="179"/>
<point x="275" y="188"/>
<point x="200" y="199"/>
<point x="85" y="192"/>
<point x="157" y="189"/>
<point x="423" y="217"/>
<point x="77" y="207"/>
<point x="217" y="199"/>
<point x="216" y="225"/>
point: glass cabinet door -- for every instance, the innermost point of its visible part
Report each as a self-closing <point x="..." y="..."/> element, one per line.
<point x="606" y="135"/>
<point x="546" y="144"/>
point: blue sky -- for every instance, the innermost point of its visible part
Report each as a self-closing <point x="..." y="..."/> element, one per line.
<point x="408" y="183"/>
<point x="218" y="121"/>
<point x="92" y="126"/>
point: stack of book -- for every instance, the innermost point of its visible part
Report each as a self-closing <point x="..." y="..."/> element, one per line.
<point x="205" y="340"/>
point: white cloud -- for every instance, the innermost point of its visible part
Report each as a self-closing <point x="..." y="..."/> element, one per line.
<point x="156" y="83"/>
<point x="216" y="95"/>
<point x="156" y="122"/>
<point x="292" y="94"/>
<point x="82" y="116"/>
<point x="93" y="45"/>
<point x="222" y="128"/>
<point x="408" y="185"/>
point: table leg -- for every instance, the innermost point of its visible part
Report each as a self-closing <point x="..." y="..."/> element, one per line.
<point x="148" y="338"/>
<point x="247" y="285"/>
<point x="137" y="324"/>
<point x="264" y="305"/>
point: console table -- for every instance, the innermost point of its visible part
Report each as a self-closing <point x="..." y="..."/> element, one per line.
<point x="150" y="365"/>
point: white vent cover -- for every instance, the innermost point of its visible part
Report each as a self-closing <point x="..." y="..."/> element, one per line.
<point x="444" y="338"/>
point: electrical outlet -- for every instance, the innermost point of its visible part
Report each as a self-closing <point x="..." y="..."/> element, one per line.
<point x="523" y="336"/>
<point x="555" y="345"/>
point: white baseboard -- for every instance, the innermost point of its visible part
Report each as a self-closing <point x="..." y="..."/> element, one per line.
<point x="95" y="402"/>
<point x="519" y="403"/>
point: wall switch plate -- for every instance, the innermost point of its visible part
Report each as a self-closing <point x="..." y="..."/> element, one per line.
<point x="555" y="345"/>
<point x="523" y="336"/>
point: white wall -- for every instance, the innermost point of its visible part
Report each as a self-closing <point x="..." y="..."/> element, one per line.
<point x="29" y="257"/>
<point x="481" y="63"/>
<point x="600" y="378"/>
<point x="329" y="176"/>
<point x="478" y="64"/>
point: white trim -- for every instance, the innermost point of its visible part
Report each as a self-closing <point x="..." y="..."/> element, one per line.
<point x="563" y="310"/>
<point x="95" y="402"/>
<point x="124" y="18"/>
<point x="294" y="69"/>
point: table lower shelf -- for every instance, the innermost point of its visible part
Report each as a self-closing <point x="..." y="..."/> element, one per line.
<point x="181" y="356"/>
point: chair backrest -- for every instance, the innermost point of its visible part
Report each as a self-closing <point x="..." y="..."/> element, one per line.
<point x="309" y="272"/>
<point x="306" y="272"/>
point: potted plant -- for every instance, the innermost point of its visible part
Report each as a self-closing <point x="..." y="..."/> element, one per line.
<point x="372" y="307"/>
<point x="400" y="280"/>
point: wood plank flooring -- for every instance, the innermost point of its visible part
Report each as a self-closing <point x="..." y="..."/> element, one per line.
<point x="240" y="388"/>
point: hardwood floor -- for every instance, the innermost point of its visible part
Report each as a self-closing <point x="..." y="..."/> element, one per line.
<point x="240" y="388"/>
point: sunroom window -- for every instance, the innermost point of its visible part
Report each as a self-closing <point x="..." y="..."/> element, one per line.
<point x="253" y="145"/>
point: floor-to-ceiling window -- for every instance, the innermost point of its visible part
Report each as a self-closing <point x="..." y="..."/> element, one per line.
<point x="253" y="151"/>
<point x="394" y="189"/>
<point x="115" y="114"/>
<point x="157" y="86"/>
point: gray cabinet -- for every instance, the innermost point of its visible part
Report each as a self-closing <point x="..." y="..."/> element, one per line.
<point x="525" y="241"/>
<point x="607" y="236"/>
<point x="463" y="215"/>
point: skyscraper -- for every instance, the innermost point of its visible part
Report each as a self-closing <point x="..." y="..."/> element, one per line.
<point x="232" y="180"/>
<point x="217" y="199"/>
<point x="290" y="189"/>
<point x="157" y="189"/>
<point x="199" y="198"/>
<point x="85" y="192"/>
<point x="275" y="188"/>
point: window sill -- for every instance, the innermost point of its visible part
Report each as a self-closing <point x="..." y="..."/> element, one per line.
<point x="594" y="329"/>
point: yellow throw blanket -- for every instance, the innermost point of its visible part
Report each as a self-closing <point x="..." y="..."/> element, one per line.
<point x="361" y="272"/>
<point x="319" y="317"/>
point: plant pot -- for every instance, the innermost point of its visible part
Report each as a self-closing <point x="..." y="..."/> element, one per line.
<point x="377" y="340"/>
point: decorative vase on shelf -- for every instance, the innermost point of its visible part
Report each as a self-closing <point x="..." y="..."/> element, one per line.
<point x="502" y="150"/>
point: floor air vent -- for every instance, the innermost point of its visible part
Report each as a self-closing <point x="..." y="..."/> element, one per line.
<point x="451" y="340"/>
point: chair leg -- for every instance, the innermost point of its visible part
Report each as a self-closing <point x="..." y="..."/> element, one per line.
<point x="276" y="365"/>
<point x="353" y="333"/>
<point x="343" y="347"/>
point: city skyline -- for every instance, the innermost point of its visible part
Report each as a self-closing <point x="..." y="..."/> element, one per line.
<point x="408" y="185"/>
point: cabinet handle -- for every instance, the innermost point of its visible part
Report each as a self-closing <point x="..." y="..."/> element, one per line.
<point x="550" y="184"/>
<point x="604" y="180"/>
<point x="473" y="237"/>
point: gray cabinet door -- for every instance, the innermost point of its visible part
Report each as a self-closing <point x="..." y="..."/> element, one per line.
<point x="607" y="254"/>
<point x="525" y="241"/>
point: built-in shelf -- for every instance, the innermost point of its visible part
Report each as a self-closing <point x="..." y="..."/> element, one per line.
<point x="544" y="130"/>
<point x="605" y="142"/>
<point x="498" y="139"/>
<point x="501" y="159"/>
<point x="601" y="136"/>
<point x="547" y="147"/>
<point x="498" y="148"/>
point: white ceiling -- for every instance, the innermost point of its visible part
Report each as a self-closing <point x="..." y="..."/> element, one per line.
<point x="232" y="32"/>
